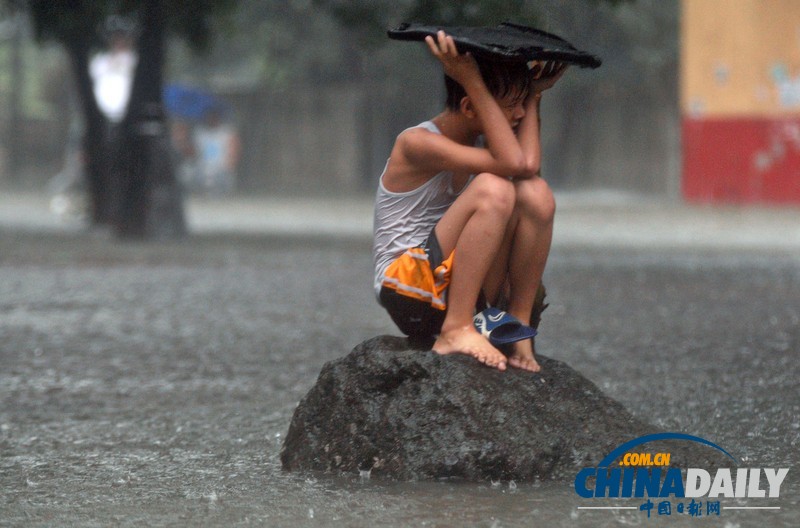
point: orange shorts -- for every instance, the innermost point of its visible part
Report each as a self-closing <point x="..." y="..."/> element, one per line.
<point x="414" y="289"/>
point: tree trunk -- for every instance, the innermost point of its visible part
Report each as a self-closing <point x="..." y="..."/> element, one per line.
<point x="96" y="141"/>
<point x="151" y="203"/>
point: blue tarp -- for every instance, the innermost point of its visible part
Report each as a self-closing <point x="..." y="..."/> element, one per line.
<point x="191" y="103"/>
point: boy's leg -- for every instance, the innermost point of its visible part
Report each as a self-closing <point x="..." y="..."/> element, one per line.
<point x="474" y="226"/>
<point x="532" y="234"/>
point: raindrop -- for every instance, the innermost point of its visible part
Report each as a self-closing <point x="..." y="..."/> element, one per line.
<point x="311" y="513"/>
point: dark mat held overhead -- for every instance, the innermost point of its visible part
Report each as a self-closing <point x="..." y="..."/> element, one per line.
<point x="506" y="41"/>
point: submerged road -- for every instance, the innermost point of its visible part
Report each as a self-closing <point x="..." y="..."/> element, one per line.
<point x="152" y="383"/>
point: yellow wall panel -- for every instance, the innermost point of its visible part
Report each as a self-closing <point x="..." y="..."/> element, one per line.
<point x="740" y="58"/>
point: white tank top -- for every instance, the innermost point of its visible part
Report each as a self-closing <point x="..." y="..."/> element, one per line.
<point x="405" y="220"/>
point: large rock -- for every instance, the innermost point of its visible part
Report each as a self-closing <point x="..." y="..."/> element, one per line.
<point x="412" y="414"/>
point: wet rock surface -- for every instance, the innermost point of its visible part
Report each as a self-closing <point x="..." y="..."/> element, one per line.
<point x="391" y="408"/>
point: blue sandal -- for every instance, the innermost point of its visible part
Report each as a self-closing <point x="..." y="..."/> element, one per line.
<point x="501" y="328"/>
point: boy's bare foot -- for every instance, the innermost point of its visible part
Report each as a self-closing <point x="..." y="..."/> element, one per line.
<point x="467" y="340"/>
<point x="522" y="357"/>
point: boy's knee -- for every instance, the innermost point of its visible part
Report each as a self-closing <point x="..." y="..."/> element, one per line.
<point x="496" y="193"/>
<point x="535" y="199"/>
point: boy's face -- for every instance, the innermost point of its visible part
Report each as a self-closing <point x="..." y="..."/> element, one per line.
<point x="513" y="107"/>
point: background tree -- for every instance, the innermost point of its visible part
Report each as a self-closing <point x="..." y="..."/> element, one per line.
<point x="290" y="73"/>
<point x="131" y="178"/>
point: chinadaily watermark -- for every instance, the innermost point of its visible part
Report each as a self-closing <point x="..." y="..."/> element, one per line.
<point x="666" y="490"/>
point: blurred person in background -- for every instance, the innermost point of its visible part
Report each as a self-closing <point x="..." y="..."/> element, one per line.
<point x="111" y="71"/>
<point x="218" y="150"/>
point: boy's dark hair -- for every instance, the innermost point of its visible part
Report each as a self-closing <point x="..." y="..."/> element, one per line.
<point x="502" y="78"/>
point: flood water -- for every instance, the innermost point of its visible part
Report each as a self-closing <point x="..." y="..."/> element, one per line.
<point x="152" y="384"/>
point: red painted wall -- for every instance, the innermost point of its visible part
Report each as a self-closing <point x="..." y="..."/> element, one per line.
<point x="741" y="160"/>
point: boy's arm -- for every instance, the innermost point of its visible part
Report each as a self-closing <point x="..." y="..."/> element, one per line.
<point x="543" y="77"/>
<point x="503" y="155"/>
<point x="529" y="136"/>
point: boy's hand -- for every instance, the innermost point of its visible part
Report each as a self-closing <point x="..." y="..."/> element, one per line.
<point x="461" y="67"/>
<point x="545" y="74"/>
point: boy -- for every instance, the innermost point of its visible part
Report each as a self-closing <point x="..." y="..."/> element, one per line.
<point x="456" y="220"/>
